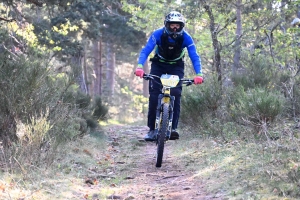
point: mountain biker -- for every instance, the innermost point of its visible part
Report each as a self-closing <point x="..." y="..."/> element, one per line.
<point x="169" y="42"/>
<point x="296" y="22"/>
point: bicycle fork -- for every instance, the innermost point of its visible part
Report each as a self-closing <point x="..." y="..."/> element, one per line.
<point x="164" y="99"/>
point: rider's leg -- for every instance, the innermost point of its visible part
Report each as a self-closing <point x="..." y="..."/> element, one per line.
<point x="158" y="68"/>
<point x="152" y="110"/>
<point x="154" y="91"/>
<point x="176" y="111"/>
<point x="176" y="92"/>
<point x="176" y="114"/>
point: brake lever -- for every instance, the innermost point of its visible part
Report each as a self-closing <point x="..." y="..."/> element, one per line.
<point x="147" y="77"/>
<point x="189" y="83"/>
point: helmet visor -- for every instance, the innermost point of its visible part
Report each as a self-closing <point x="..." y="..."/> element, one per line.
<point x="174" y="27"/>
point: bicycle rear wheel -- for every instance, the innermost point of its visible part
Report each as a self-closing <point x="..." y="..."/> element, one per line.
<point x="162" y="134"/>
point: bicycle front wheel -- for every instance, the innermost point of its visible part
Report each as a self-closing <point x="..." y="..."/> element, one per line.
<point x="162" y="132"/>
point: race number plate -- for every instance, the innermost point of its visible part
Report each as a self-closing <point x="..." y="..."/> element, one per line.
<point x="169" y="80"/>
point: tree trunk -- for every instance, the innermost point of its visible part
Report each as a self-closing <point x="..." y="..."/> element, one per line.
<point x="78" y="71"/>
<point x="146" y="83"/>
<point x="99" y="72"/>
<point x="110" y="69"/>
<point x="216" y="45"/>
<point x="237" y="49"/>
<point x="97" y="67"/>
<point x="85" y="68"/>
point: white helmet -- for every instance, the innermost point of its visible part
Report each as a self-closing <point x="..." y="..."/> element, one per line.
<point x="296" y="22"/>
<point x="174" y="17"/>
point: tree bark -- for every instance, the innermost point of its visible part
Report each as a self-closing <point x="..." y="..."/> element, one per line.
<point x="237" y="49"/>
<point x="99" y="72"/>
<point x="85" y="71"/>
<point x="145" y="82"/>
<point x="95" y="68"/>
<point x="77" y="64"/>
<point x="110" y="66"/>
<point x="97" y="51"/>
<point x="216" y="45"/>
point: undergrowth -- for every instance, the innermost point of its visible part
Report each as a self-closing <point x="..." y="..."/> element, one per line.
<point x="247" y="167"/>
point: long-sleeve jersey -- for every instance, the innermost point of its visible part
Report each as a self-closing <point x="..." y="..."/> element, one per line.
<point x="188" y="43"/>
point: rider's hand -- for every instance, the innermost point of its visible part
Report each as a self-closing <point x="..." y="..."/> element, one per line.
<point x="198" y="79"/>
<point x="139" y="71"/>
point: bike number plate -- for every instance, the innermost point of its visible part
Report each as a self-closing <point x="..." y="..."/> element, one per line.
<point x="169" y="80"/>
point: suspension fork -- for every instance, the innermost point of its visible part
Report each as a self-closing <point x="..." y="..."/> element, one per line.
<point x="171" y="111"/>
<point x="158" y="110"/>
<point x="160" y="102"/>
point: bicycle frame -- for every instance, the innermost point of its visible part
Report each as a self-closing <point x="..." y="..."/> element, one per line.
<point x="164" y="111"/>
<point x="168" y="82"/>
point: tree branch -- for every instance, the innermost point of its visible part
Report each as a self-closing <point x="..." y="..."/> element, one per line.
<point x="270" y="44"/>
<point x="36" y="2"/>
<point x="7" y="20"/>
<point x="228" y="22"/>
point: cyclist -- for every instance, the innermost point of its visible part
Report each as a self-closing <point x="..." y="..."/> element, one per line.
<point x="296" y="22"/>
<point x="169" y="42"/>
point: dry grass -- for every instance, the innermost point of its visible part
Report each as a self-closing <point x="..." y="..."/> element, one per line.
<point x="100" y="165"/>
<point x="88" y="168"/>
<point x="246" y="169"/>
<point x="65" y="177"/>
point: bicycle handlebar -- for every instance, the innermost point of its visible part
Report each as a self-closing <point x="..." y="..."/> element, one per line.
<point x="185" y="81"/>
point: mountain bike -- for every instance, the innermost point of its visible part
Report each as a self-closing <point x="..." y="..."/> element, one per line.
<point x="164" y="110"/>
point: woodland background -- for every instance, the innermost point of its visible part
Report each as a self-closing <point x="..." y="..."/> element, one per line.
<point x="67" y="65"/>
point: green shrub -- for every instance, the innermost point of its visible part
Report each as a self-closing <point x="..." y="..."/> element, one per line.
<point x="92" y="109"/>
<point x="39" y="108"/>
<point x="201" y="101"/>
<point x="83" y="100"/>
<point x="100" y="110"/>
<point x="258" y="72"/>
<point x="291" y="91"/>
<point x="200" y="104"/>
<point x="256" y="105"/>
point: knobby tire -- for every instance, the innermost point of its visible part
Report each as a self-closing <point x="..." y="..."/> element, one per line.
<point x="162" y="134"/>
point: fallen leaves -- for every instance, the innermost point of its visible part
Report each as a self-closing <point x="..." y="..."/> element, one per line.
<point x="2" y="187"/>
<point x="87" y="152"/>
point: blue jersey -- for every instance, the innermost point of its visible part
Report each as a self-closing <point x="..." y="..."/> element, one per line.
<point x="188" y="43"/>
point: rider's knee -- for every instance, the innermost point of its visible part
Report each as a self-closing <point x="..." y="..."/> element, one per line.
<point x="176" y="92"/>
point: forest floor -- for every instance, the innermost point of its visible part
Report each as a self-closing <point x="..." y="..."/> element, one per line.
<point x="171" y="181"/>
<point x="116" y="163"/>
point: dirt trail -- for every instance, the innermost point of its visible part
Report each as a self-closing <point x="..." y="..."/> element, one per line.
<point x="171" y="181"/>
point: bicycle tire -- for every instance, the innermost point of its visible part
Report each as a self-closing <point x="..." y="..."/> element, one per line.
<point x="162" y="134"/>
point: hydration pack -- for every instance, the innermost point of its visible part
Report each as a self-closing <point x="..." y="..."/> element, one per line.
<point x="170" y="50"/>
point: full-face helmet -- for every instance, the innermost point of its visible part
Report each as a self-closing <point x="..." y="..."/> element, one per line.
<point x="296" y="22"/>
<point x="174" y="17"/>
